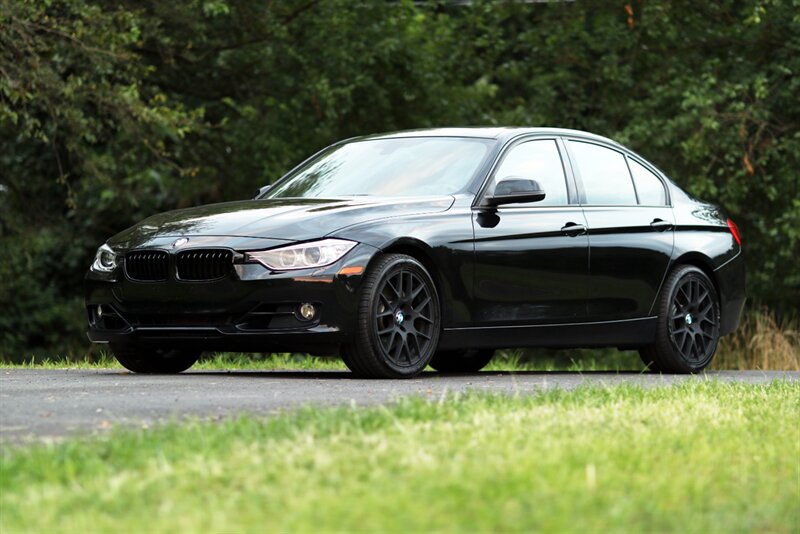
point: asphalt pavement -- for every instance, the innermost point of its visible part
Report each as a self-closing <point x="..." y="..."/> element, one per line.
<point x="44" y="405"/>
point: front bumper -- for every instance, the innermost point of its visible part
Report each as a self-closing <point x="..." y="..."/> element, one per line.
<point x="251" y="309"/>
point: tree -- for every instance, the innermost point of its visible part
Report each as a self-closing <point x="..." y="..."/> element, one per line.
<point x="113" y="111"/>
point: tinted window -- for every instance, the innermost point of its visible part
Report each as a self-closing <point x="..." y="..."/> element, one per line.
<point x="411" y="166"/>
<point x="649" y="188"/>
<point x="605" y="176"/>
<point x="540" y="161"/>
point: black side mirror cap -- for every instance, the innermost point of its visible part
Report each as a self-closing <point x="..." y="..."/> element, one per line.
<point x="515" y="190"/>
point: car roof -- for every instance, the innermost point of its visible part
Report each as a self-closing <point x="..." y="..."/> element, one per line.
<point x="502" y="133"/>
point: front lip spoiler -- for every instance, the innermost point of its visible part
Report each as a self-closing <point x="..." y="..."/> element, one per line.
<point x="321" y="339"/>
<point x="193" y="332"/>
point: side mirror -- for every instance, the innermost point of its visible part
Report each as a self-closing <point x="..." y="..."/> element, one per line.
<point x="261" y="191"/>
<point x="514" y="190"/>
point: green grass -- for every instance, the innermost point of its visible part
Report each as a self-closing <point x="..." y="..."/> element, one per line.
<point x="215" y="362"/>
<point x="572" y="360"/>
<point x="700" y="457"/>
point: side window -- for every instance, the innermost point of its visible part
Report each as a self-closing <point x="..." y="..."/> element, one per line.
<point x="604" y="173"/>
<point x="650" y="189"/>
<point x="537" y="160"/>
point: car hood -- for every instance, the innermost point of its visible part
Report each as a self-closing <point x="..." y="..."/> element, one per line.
<point x="271" y="220"/>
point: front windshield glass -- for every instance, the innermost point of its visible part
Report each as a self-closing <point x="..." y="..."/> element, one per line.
<point x="413" y="166"/>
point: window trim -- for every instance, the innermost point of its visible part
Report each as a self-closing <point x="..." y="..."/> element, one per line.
<point x="579" y="178"/>
<point x="573" y="196"/>
<point x="633" y="182"/>
<point x="626" y="154"/>
<point x="651" y="170"/>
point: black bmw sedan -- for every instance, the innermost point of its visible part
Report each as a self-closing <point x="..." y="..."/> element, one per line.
<point x="430" y="247"/>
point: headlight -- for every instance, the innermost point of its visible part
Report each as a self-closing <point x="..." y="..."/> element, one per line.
<point x="303" y="256"/>
<point x="105" y="260"/>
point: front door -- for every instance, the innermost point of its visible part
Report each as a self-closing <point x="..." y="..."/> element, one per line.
<point x="531" y="260"/>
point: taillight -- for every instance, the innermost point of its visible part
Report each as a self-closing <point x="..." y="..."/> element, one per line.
<point x="735" y="232"/>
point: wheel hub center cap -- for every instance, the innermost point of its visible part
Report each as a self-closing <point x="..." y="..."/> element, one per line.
<point x="689" y="319"/>
<point x="399" y="317"/>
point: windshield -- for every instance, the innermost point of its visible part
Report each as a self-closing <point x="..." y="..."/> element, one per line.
<point x="414" y="166"/>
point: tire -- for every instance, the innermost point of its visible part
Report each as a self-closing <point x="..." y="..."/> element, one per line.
<point x="398" y="323"/>
<point x="461" y="361"/>
<point x="154" y="361"/>
<point x="688" y="324"/>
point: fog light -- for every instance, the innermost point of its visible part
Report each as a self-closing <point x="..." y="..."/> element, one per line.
<point x="99" y="312"/>
<point x="307" y="311"/>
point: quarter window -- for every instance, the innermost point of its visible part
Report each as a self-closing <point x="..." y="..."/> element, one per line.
<point x="649" y="188"/>
<point x="604" y="173"/>
<point x="537" y="160"/>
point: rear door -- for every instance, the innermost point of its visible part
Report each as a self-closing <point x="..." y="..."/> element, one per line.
<point x="630" y="226"/>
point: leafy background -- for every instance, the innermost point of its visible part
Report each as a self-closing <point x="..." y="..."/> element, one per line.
<point x="111" y="111"/>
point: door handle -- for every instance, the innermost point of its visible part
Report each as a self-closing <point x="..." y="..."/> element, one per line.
<point x="659" y="225"/>
<point x="573" y="229"/>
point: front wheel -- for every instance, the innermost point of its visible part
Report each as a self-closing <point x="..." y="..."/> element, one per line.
<point x="688" y="324"/>
<point x="154" y="361"/>
<point x="461" y="361"/>
<point x="398" y="320"/>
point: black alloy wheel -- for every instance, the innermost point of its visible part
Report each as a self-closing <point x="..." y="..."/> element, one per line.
<point x="688" y="328"/>
<point x="145" y="360"/>
<point x="461" y="361"/>
<point x="403" y="318"/>
<point x="692" y="324"/>
<point x="398" y="321"/>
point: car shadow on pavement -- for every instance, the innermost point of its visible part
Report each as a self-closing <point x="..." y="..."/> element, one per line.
<point x="428" y="375"/>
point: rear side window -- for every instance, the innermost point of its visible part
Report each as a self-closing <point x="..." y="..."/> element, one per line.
<point x="649" y="188"/>
<point x="604" y="173"/>
<point x="537" y="160"/>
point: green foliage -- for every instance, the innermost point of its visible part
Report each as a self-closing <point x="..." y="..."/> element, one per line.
<point x="86" y="149"/>
<point x="113" y="111"/>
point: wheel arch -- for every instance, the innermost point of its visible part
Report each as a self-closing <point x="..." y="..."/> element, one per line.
<point x="660" y="356"/>
<point x="420" y="251"/>
<point x="702" y="262"/>
<point x="424" y="253"/>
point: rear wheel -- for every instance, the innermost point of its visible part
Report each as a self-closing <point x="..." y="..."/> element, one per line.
<point x="398" y="320"/>
<point x="688" y="324"/>
<point x="461" y="361"/>
<point x="154" y="361"/>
